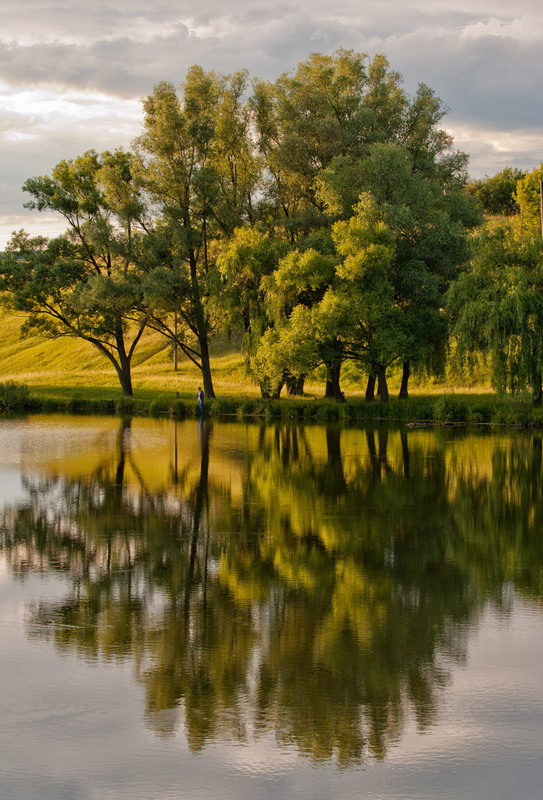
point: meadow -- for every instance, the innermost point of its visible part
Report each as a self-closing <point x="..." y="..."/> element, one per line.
<point x="71" y="375"/>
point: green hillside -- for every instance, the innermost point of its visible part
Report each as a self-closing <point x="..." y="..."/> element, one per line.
<point x="68" y="365"/>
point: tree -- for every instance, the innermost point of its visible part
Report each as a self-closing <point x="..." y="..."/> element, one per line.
<point x="291" y="346"/>
<point x="247" y="258"/>
<point x="528" y="197"/>
<point x="497" y="309"/>
<point x="197" y="164"/>
<point x="330" y="107"/>
<point x="369" y="322"/>
<point x="496" y="192"/>
<point x="245" y="262"/>
<point x="417" y="190"/>
<point x="86" y="284"/>
<point x="378" y="298"/>
<point x="335" y="130"/>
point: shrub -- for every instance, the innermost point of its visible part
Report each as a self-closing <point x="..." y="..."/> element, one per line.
<point x="481" y="413"/>
<point x="157" y="407"/>
<point x="14" y="396"/>
<point x="247" y="407"/>
<point x="513" y="410"/>
<point x="450" y="409"/>
<point x="291" y="409"/>
<point x="537" y="417"/>
<point x="180" y="408"/>
<point x="219" y="405"/>
<point x="106" y="406"/>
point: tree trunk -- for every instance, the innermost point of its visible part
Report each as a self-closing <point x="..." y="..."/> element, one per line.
<point x="405" y="379"/>
<point x="121" y="363"/>
<point x="538" y="394"/>
<point x="126" y="382"/>
<point x="123" y="366"/>
<point x="206" y="366"/>
<point x="199" y="316"/>
<point x="382" y="388"/>
<point x="295" y="386"/>
<point x="370" y="388"/>
<point x="333" y="389"/>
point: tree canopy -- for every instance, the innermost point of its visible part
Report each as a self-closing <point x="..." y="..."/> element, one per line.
<point x="497" y="308"/>
<point x="88" y="283"/>
<point x="329" y="201"/>
<point x="528" y="198"/>
<point x="497" y="192"/>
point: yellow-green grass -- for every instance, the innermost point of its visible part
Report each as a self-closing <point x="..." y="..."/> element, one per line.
<point x="67" y="367"/>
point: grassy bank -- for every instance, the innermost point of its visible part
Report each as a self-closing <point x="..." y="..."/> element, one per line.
<point x="456" y="408"/>
<point x="66" y="375"/>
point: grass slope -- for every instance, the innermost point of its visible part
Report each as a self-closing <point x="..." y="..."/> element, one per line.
<point x="71" y="374"/>
<point x="45" y="364"/>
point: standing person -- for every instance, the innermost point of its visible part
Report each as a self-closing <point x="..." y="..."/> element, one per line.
<point x="200" y="398"/>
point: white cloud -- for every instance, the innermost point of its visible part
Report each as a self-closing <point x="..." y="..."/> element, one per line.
<point x="72" y="73"/>
<point x="492" y="149"/>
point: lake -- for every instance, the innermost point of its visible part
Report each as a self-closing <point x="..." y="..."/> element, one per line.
<point x="197" y="610"/>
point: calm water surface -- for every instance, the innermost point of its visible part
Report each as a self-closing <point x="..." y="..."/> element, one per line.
<point x="239" y="611"/>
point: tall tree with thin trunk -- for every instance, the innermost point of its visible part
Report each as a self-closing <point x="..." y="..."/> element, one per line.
<point x="197" y="163"/>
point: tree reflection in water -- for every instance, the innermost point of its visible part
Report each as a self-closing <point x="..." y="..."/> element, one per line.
<point x="323" y="600"/>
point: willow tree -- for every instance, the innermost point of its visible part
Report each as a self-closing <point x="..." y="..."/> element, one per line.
<point x="197" y="163"/>
<point x="497" y="309"/>
<point x="293" y="344"/>
<point x="86" y="284"/>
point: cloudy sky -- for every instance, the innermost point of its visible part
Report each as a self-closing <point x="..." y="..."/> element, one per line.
<point x="73" y="72"/>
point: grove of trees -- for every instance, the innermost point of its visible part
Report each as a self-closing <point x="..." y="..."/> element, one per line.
<point x="327" y="215"/>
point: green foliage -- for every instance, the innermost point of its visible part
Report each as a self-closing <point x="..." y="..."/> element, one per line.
<point x="332" y="132"/>
<point x="325" y="215"/>
<point x="245" y="260"/>
<point x="14" y="397"/>
<point x="497" y="308"/>
<point x="85" y="284"/>
<point x="528" y="197"/>
<point x="481" y="412"/>
<point x="450" y="409"/>
<point x="197" y="162"/>
<point x="497" y="193"/>
<point x="223" y="405"/>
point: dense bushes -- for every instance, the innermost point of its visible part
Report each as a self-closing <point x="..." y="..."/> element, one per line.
<point x="14" y="397"/>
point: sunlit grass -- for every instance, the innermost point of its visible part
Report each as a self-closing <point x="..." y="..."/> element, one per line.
<point x="72" y="368"/>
